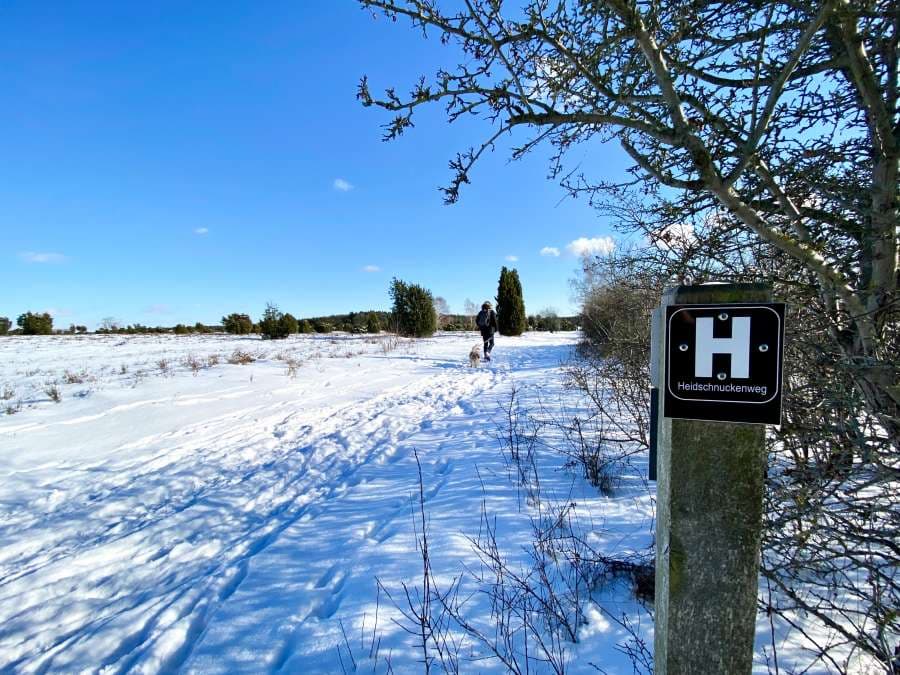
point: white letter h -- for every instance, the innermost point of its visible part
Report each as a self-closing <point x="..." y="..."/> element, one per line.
<point x="738" y="345"/>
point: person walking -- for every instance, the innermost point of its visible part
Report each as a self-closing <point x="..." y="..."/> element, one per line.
<point x="487" y="324"/>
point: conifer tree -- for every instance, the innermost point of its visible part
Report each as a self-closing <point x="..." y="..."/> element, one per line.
<point x="413" y="309"/>
<point x="511" y="317"/>
<point x="35" y="324"/>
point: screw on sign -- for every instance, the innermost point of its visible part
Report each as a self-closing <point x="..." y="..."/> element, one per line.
<point x="724" y="362"/>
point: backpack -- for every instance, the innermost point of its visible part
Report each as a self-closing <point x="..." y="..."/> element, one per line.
<point x="483" y="318"/>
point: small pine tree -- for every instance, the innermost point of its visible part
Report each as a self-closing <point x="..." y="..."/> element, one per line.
<point x="511" y="317"/>
<point x="305" y="327"/>
<point x="272" y="325"/>
<point x="35" y="324"/>
<point x="372" y="323"/>
<point x="237" y="324"/>
<point x="413" y="309"/>
<point x="289" y="325"/>
<point x="5" y="325"/>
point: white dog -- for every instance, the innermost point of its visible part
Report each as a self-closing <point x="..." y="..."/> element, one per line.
<point x="475" y="356"/>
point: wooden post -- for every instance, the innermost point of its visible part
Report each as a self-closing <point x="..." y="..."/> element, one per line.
<point x="710" y="481"/>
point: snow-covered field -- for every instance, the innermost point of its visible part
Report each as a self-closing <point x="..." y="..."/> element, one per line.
<point x="168" y="514"/>
<point x="177" y="512"/>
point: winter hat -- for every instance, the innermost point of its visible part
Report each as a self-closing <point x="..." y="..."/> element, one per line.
<point x="486" y="305"/>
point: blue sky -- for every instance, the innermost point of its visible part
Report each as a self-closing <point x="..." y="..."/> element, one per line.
<point x="172" y="162"/>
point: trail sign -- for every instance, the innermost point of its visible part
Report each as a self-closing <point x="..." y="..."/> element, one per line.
<point x="724" y="362"/>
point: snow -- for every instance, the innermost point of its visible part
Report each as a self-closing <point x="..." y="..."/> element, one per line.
<point x="224" y="518"/>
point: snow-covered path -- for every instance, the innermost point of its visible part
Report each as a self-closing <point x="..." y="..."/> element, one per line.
<point x="236" y="520"/>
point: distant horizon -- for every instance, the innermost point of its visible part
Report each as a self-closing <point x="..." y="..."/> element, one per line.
<point x="62" y="324"/>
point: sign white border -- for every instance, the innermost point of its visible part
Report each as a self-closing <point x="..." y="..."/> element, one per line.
<point x="686" y="308"/>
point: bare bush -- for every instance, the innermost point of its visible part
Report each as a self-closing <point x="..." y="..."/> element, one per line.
<point x="388" y="343"/>
<point x="70" y="377"/>
<point x="53" y="393"/>
<point x="425" y="609"/>
<point x="163" y="365"/>
<point x="7" y="393"/>
<point x="519" y="435"/>
<point x="293" y="366"/>
<point x="212" y="360"/>
<point x="193" y="363"/>
<point x="13" y="408"/>
<point x="240" y="357"/>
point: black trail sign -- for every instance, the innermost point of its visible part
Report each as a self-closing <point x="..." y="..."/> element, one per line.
<point x="724" y="362"/>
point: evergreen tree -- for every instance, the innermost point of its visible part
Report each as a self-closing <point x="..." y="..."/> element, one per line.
<point x="272" y="325"/>
<point x="511" y="317"/>
<point x="372" y="323"/>
<point x="289" y="325"/>
<point x="238" y="324"/>
<point x="5" y="324"/>
<point x="305" y="327"/>
<point x="35" y="324"/>
<point x="413" y="309"/>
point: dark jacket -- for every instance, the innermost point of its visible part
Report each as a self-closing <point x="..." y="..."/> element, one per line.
<point x="487" y="322"/>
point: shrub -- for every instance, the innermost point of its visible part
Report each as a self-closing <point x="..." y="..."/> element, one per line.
<point x="181" y="329"/>
<point x="241" y="358"/>
<point x="305" y="327"/>
<point x="35" y="324"/>
<point x="510" y="305"/>
<point x="323" y="327"/>
<point x="237" y="324"/>
<point x="413" y="309"/>
<point x="372" y="323"/>
<point x="289" y="325"/>
<point x="74" y="378"/>
<point x="192" y="362"/>
<point x="53" y="392"/>
<point x="274" y="325"/>
<point x="5" y="325"/>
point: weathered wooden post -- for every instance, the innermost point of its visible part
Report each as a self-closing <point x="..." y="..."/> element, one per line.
<point x="716" y="368"/>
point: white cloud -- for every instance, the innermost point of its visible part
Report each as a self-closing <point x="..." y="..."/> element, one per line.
<point x="595" y="246"/>
<point x="550" y="252"/>
<point x="512" y="258"/>
<point x="342" y="185"/>
<point x="371" y="268"/>
<point x="32" y="257"/>
<point x="201" y="230"/>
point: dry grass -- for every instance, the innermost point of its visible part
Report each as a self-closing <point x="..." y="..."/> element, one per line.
<point x="7" y="393"/>
<point x="240" y="358"/>
<point x="292" y="366"/>
<point x="53" y="393"/>
<point x="192" y="362"/>
<point x="75" y="378"/>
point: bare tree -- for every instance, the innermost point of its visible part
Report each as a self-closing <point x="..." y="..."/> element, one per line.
<point x="471" y="310"/>
<point x="109" y="323"/>
<point x="442" y="309"/>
